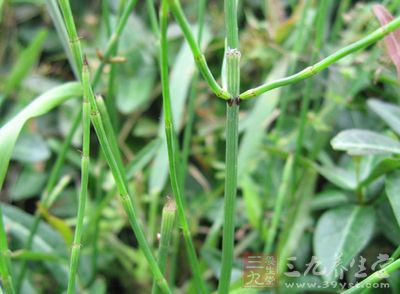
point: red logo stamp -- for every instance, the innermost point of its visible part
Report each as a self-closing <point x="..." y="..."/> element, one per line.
<point x="260" y="271"/>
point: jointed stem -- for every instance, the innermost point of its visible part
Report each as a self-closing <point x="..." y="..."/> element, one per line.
<point x="75" y="43"/>
<point x="109" y="146"/>
<point x="374" y="278"/>
<point x="321" y="65"/>
<point x="172" y="155"/>
<point x="232" y="122"/>
<point x="197" y="55"/>
<point x="76" y="246"/>
<point x="122" y="188"/>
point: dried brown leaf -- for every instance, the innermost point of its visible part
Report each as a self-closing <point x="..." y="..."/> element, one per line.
<point x="392" y="40"/>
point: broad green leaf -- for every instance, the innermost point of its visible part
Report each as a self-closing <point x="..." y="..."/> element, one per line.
<point x="393" y="193"/>
<point x="340" y="235"/>
<point x="364" y="142"/>
<point x="136" y="76"/>
<point x="338" y="176"/>
<point x="44" y="103"/>
<point x="45" y="241"/>
<point x="384" y="166"/>
<point x="180" y="79"/>
<point x="386" y="219"/>
<point x="257" y="118"/>
<point x="329" y="199"/>
<point x="28" y="183"/>
<point x="30" y="148"/>
<point x="388" y="112"/>
<point x="25" y="62"/>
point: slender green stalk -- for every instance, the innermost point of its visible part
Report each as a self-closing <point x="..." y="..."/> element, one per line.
<point x="187" y="135"/>
<point x="67" y="142"/>
<point x="112" y="85"/>
<point x="120" y="181"/>
<point x="167" y="229"/>
<point x="108" y="148"/>
<point x="155" y="197"/>
<point x="76" y="246"/>
<point x="321" y="65"/>
<point x="153" y="17"/>
<point x="109" y="130"/>
<point x="374" y="278"/>
<point x="301" y="38"/>
<point x="337" y="26"/>
<point x="78" y="57"/>
<point x="279" y="202"/>
<point x="5" y="265"/>
<point x="308" y="89"/>
<point x="172" y="152"/>
<point x="75" y="43"/>
<point x="197" y="55"/>
<point x="232" y="138"/>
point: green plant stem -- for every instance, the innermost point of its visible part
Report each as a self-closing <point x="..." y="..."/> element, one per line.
<point x="308" y="89"/>
<point x="75" y="43"/>
<point x="67" y="142"/>
<point x="187" y="135"/>
<point x="5" y="265"/>
<point x="279" y="203"/>
<point x="110" y="153"/>
<point x="375" y="277"/>
<point x="197" y="55"/>
<point x="324" y="63"/>
<point x="172" y="152"/>
<point x="337" y="26"/>
<point x="301" y="39"/>
<point x="232" y="138"/>
<point x="167" y="229"/>
<point x="109" y="130"/>
<point x="112" y="85"/>
<point x="153" y="17"/>
<point x="120" y="181"/>
<point x="76" y="246"/>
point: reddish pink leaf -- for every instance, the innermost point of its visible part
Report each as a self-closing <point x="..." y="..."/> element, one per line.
<point x="392" y="40"/>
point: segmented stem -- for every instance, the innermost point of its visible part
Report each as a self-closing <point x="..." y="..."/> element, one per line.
<point x="321" y="65"/>
<point x="197" y="55"/>
<point x="172" y="152"/>
<point x="127" y="203"/>
<point x="232" y="138"/>
<point x="76" y="246"/>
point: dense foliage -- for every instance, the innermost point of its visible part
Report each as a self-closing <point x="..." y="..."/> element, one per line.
<point x="317" y="162"/>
